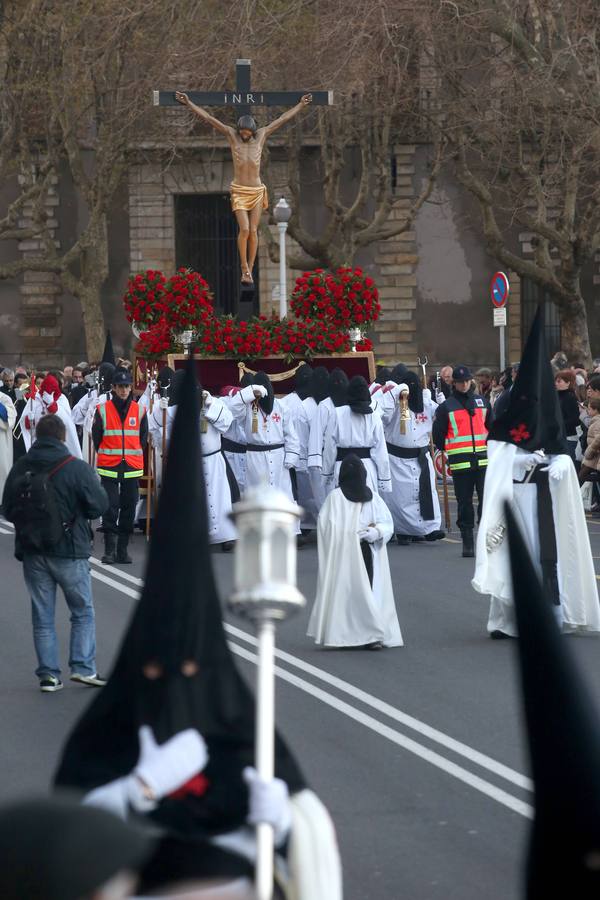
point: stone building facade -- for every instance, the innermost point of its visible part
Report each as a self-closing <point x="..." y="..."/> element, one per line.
<point x="433" y="280"/>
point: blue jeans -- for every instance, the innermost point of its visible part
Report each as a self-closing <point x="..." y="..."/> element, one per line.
<point x="42" y="575"/>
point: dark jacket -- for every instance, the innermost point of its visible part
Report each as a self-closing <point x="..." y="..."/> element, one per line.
<point x="570" y="411"/>
<point x="80" y="495"/>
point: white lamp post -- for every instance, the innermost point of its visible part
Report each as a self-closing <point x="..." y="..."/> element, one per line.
<point x="283" y="214"/>
<point x="265" y="591"/>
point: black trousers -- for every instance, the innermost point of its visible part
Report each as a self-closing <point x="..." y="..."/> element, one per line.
<point x="465" y="483"/>
<point x="123" y="496"/>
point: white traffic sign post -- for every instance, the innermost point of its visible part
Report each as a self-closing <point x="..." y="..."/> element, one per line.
<point x="499" y="290"/>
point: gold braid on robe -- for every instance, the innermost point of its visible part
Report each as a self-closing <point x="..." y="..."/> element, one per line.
<point x="244" y="196"/>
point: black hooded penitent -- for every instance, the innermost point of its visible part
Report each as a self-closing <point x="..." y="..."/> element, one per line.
<point x="563" y="731"/>
<point x="338" y="387"/>
<point x="109" y="354"/>
<point x="105" y="377"/>
<point x="533" y="419"/>
<point x="303" y="382"/>
<point x="164" y="379"/>
<point x="320" y="384"/>
<point x="415" y="392"/>
<point x="265" y="403"/>
<point x="352" y="480"/>
<point x="399" y="374"/>
<point x="384" y="374"/>
<point x="57" y="849"/>
<point x="176" y="631"/>
<point x="358" y="396"/>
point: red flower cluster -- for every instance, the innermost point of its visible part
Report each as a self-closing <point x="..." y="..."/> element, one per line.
<point x="156" y="342"/>
<point x="183" y="301"/>
<point x="348" y="298"/>
<point x="269" y="337"/>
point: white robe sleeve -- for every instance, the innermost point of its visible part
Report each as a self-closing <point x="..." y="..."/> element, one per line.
<point x="316" y="436"/>
<point x="80" y="410"/>
<point x="11" y="413"/>
<point x="330" y="438"/>
<point x="219" y="415"/>
<point x="380" y="457"/>
<point x="290" y="440"/>
<point x="239" y="404"/>
<point x="119" y="797"/>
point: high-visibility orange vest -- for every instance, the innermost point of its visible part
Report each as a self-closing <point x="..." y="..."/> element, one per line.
<point x="466" y="440"/>
<point x="120" y="441"/>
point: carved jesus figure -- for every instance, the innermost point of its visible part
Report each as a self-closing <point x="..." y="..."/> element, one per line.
<point x="248" y="193"/>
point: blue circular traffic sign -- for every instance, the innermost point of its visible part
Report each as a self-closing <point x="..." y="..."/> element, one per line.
<point x="499" y="289"/>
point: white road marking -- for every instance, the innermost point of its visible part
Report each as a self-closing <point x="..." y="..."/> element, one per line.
<point x="373" y="724"/>
<point x="430" y="756"/>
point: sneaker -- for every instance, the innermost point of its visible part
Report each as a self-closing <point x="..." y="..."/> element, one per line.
<point x="50" y="683"/>
<point x="91" y="680"/>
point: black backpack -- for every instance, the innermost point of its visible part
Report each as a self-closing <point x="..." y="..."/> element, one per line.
<point x="35" y="511"/>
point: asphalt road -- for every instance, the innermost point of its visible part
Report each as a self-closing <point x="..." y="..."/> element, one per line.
<point x="417" y="751"/>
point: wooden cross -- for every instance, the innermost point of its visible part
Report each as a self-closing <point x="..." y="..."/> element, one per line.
<point x="243" y="98"/>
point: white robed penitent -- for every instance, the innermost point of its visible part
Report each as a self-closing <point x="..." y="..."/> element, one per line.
<point x="347" y="611"/>
<point x="579" y="609"/>
<point x="36" y="409"/>
<point x="6" y="439"/>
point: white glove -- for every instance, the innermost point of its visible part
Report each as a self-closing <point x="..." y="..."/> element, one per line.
<point x="259" y="390"/>
<point x="559" y="466"/>
<point x="439" y="397"/>
<point x="47" y="398"/>
<point x="370" y="534"/>
<point x="206" y="399"/>
<point x="166" y="767"/>
<point x="163" y="403"/>
<point x="269" y="803"/>
<point x="426" y="394"/>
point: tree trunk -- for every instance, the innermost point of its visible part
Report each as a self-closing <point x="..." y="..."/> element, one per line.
<point x="575" y="339"/>
<point x="93" y="321"/>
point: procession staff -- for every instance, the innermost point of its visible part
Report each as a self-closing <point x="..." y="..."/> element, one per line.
<point x="407" y="414"/>
<point x="354" y="606"/>
<point x="119" y="433"/>
<point x="440" y="397"/>
<point x="530" y="466"/>
<point x="355" y="429"/>
<point x="460" y="428"/>
<point x="171" y="741"/>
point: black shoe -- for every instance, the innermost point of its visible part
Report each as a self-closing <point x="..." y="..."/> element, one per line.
<point x="500" y="636"/>
<point x="50" y="683"/>
<point x="227" y="546"/>
<point x="110" y="545"/>
<point x="122" y="555"/>
<point x="468" y="549"/>
<point x="375" y="645"/>
<point x="435" y="535"/>
<point x="91" y="680"/>
<point x="403" y="539"/>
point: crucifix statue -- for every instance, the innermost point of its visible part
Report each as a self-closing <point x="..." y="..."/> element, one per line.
<point x="246" y="140"/>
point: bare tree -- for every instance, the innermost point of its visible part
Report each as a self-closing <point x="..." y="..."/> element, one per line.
<point x="520" y="108"/>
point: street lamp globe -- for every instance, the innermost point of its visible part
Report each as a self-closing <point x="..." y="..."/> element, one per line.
<point x="282" y="211"/>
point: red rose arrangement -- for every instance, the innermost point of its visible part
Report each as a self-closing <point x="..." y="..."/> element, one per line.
<point x="183" y="301"/>
<point x="347" y="298"/>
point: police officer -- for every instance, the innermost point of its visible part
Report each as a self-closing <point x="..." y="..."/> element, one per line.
<point x="119" y="433"/>
<point x="460" y="429"/>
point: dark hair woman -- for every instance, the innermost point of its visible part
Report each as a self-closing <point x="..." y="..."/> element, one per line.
<point x="565" y="385"/>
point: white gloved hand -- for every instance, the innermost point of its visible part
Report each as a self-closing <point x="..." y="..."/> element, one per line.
<point x="559" y="466"/>
<point x="166" y="767"/>
<point x="47" y="398"/>
<point x="269" y="803"/>
<point x="439" y="397"/>
<point x="370" y="534"/>
<point x="426" y="394"/>
<point x="163" y="403"/>
<point x="206" y="399"/>
<point x="259" y="390"/>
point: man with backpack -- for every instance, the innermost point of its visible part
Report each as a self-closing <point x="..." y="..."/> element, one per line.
<point x="50" y="497"/>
